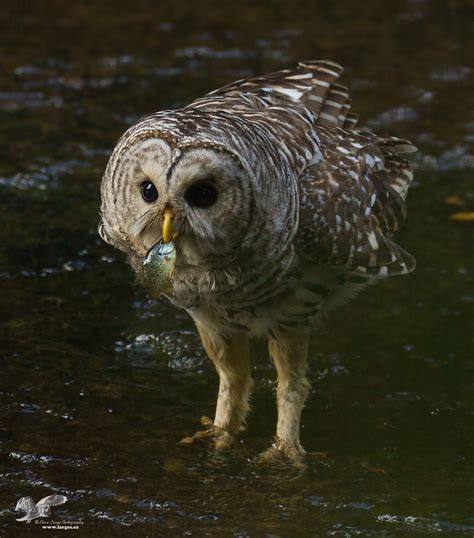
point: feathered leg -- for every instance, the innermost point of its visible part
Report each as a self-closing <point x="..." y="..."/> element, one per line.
<point x="231" y="357"/>
<point x="289" y="352"/>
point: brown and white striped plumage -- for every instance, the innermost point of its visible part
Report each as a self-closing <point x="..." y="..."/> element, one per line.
<point x="306" y="210"/>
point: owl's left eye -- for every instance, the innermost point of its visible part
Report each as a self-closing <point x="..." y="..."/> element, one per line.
<point x="149" y="192"/>
<point x="201" y="194"/>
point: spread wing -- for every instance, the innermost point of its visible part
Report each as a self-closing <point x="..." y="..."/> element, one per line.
<point x="25" y="504"/>
<point x="52" y="500"/>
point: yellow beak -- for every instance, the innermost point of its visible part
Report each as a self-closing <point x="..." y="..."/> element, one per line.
<point x="167" y="225"/>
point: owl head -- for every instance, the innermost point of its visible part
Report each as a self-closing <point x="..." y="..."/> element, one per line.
<point x="194" y="178"/>
<point x="194" y="193"/>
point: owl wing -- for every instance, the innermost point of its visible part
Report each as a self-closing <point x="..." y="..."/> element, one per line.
<point x="312" y="84"/>
<point x="353" y="201"/>
<point x="52" y="500"/>
<point x="352" y="184"/>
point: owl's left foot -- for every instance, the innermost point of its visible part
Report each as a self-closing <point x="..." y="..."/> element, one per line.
<point x="221" y="438"/>
<point x="281" y="451"/>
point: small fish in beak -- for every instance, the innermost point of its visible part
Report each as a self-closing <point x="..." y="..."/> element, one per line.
<point x="158" y="268"/>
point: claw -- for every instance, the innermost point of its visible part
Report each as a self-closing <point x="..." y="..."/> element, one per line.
<point x="186" y="441"/>
<point x="204" y="434"/>
<point x="222" y="439"/>
<point x="207" y="422"/>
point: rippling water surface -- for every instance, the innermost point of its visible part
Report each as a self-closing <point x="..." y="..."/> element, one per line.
<point x="98" y="382"/>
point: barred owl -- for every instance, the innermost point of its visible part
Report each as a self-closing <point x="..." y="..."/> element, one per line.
<point x="279" y="208"/>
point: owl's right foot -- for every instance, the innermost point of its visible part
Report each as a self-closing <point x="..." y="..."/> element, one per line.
<point x="221" y="439"/>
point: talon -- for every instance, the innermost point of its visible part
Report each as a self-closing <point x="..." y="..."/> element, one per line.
<point x="206" y="421"/>
<point x="222" y="438"/>
<point x="186" y="441"/>
<point x="203" y="434"/>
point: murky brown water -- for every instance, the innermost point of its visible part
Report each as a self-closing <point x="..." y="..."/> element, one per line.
<point x="98" y="382"/>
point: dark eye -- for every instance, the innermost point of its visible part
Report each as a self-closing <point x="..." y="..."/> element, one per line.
<point x="201" y="194"/>
<point x="149" y="192"/>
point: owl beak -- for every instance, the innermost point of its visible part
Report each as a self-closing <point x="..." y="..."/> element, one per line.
<point x="167" y="231"/>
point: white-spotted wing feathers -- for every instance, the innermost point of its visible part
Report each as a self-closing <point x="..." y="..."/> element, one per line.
<point x="354" y="184"/>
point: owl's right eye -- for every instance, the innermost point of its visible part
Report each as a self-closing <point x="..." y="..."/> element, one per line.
<point x="149" y="192"/>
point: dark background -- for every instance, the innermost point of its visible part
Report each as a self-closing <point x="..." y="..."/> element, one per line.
<point x="98" y="383"/>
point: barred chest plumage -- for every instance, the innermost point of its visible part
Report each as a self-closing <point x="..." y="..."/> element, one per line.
<point x="245" y="296"/>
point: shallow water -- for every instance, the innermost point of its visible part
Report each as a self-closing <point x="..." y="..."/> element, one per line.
<point x="98" y="382"/>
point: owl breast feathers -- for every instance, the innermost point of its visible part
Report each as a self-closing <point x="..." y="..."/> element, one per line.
<point x="281" y="207"/>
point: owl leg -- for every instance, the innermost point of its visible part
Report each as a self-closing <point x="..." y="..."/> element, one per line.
<point x="289" y="352"/>
<point x="231" y="357"/>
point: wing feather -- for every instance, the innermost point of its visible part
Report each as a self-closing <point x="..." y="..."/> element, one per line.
<point x="312" y="84"/>
<point x="353" y="202"/>
<point x="52" y="500"/>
